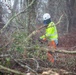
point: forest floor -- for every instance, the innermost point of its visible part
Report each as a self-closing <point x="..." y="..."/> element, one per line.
<point x="65" y="62"/>
<point x="68" y="42"/>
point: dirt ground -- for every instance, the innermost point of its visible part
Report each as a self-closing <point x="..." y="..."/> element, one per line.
<point x="68" y="41"/>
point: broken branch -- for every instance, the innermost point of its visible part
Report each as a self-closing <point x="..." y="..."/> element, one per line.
<point x="11" y="70"/>
<point x="47" y="49"/>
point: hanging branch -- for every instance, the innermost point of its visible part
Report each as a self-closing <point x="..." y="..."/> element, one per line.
<point x="11" y="70"/>
<point x="15" y="16"/>
<point x="34" y="32"/>
<point x="59" y="20"/>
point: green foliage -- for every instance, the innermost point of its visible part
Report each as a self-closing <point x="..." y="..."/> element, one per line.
<point x="20" y="45"/>
<point x="19" y="42"/>
<point x="36" y="52"/>
<point x="8" y="63"/>
<point x="8" y="59"/>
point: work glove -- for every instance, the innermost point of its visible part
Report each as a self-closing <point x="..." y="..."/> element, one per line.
<point x="44" y="39"/>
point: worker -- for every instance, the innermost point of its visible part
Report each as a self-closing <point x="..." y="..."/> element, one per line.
<point x="50" y="34"/>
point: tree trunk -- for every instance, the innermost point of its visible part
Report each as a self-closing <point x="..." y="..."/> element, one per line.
<point x="70" y="12"/>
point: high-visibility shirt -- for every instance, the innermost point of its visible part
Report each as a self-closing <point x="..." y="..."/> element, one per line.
<point x="51" y="32"/>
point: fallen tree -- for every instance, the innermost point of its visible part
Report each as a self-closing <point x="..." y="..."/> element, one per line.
<point x="47" y="49"/>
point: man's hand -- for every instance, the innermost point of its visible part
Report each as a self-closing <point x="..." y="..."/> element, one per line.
<point x="40" y="40"/>
<point x="44" y="39"/>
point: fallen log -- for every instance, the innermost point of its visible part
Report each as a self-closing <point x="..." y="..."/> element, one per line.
<point x="47" y="49"/>
<point x="11" y="70"/>
<point x="65" y="51"/>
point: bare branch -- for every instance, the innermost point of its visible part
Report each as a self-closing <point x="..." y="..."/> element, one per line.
<point x="15" y="16"/>
<point x="59" y="19"/>
<point x="65" y="51"/>
<point x="57" y="50"/>
<point x="34" y="59"/>
<point x="25" y="66"/>
<point x="4" y="55"/>
<point x="11" y="70"/>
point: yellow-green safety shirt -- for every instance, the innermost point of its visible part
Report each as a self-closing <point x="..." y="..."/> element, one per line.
<point x="51" y="32"/>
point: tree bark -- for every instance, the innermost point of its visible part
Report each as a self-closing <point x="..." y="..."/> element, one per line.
<point x="56" y="51"/>
<point x="70" y="12"/>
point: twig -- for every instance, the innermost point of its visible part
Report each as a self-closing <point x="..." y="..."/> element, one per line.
<point x="25" y="66"/>
<point x="11" y="70"/>
<point x="59" y="19"/>
<point x="6" y="55"/>
<point x="37" y="64"/>
<point x="22" y="65"/>
<point x="72" y="48"/>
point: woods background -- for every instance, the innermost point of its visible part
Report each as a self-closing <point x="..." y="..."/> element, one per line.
<point x="33" y="16"/>
<point x="19" y="18"/>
